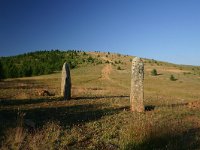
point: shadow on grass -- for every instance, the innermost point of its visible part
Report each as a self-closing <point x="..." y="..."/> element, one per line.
<point x="47" y="99"/>
<point x="152" y="107"/>
<point x="66" y="115"/>
<point x="99" y="97"/>
<point x="149" y="108"/>
<point x="22" y="84"/>
<point x="174" y="105"/>
<point x="174" y="141"/>
<point x="159" y="74"/>
<point x="27" y="101"/>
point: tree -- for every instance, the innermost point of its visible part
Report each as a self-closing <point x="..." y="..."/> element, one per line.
<point x="13" y="71"/>
<point x="27" y="70"/>
<point x="1" y="71"/>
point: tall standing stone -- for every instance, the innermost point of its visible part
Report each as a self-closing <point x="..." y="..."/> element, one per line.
<point x="137" y="88"/>
<point x="66" y="82"/>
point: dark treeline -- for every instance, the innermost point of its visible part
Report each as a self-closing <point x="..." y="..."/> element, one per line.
<point x="41" y="62"/>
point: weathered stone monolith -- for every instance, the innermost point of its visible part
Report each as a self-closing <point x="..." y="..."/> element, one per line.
<point x="66" y="82"/>
<point x="137" y="92"/>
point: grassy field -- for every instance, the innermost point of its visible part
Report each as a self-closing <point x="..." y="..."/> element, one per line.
<point x="98" y="115"/>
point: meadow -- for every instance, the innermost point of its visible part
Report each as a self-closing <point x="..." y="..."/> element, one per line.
<point x="98" y="115"/>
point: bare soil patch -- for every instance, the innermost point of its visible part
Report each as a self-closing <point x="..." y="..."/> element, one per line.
<point x="106" y="72"/>
<point x="193" y="105"/>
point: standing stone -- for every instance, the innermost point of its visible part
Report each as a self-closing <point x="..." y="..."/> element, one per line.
<point x="66" y="82"/>
<point x="137" y="89"/>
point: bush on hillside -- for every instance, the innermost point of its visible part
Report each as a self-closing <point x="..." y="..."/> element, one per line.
<point x="119" y="68"/>
<point x="172" y="78"/>
<point x="154" y="72"/>
<point x="107" y="62"/>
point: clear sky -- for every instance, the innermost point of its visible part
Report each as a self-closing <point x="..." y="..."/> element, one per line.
<point x="167" y="30"/>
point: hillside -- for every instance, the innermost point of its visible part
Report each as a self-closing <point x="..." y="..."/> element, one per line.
<point x="42" y="62"/>
<point x="98" y="116"/>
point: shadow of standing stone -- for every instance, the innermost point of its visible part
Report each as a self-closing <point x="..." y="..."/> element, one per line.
<point x="66" y="82"/>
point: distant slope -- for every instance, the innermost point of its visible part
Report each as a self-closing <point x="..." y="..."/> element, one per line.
<point x="46" y="62"/>
<point x="42" y="62"/>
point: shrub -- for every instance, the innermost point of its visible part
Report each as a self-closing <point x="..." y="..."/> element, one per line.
<point x="90" y="59"/>
<point x="154" y="72"/>
<point x="107" y="62"/>
<point x="119" y="68"/>
<point x="172" y="78"/>
<point x="99" y="62"/>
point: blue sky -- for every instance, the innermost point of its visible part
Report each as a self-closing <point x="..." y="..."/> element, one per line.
<point x="167" y="30"/>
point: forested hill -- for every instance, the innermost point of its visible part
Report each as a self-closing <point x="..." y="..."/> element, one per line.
<point x="42" y="62"/>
